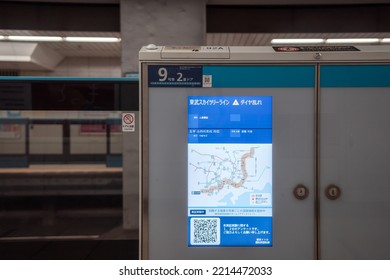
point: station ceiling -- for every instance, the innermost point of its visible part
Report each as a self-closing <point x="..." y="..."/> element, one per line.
<point x="229" y="22"/>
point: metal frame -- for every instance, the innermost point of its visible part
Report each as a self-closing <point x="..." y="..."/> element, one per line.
<point x="244" y="56"/>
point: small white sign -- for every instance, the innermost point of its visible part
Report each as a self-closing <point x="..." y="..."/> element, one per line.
<point x="128" y="122"/>
<point x="207" y="81"/>
<point x="220" y="49"/>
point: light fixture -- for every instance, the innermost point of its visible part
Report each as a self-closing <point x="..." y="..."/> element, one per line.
<point x="352" y="41"/>
<point x="93" y="39"/>
<point x="35" y="38"/>
<point x="297" y="41"/>
<point x="60" y="39"/>
<point x="385" y="40"/>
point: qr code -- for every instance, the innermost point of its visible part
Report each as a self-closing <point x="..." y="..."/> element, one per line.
<point x="205" y="231"/>
<point x="207" y="81"/>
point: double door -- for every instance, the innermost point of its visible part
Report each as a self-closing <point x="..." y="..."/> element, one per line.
<point x="354" y="162"/>
<point x="351" y="190"/>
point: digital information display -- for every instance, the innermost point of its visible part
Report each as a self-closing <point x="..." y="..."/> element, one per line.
<point x="229" y="171"/>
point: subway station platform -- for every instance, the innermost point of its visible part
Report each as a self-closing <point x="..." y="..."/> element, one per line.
<point x="63" y="212"/>
<point x="70" y="250"/>
<point x="58" y="233"/>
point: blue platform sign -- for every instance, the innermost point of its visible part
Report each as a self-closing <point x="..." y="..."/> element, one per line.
<point x="229" y="171"/>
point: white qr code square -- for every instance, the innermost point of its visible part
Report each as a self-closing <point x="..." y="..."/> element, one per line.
<point x="207" y="81"/>
<point x="205" y="231"/>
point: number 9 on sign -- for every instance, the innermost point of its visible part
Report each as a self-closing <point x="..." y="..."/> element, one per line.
<point x="163" y="74"/>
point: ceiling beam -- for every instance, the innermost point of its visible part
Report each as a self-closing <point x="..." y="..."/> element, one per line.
<point x="298" y="19"/>
<point x="59" y="16"/>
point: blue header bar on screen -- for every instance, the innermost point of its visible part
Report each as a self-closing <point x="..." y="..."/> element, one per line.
<point x="230" y="119"/>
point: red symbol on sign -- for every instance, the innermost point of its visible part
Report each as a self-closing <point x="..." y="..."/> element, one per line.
<point x="128" y="119"/>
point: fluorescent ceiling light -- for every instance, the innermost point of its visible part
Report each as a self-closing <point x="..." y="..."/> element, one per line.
<point x="385" y="40"/>
<point x="35" y="38"/>
<point x="352" y="40"/>
<point x="297" y="41"/>
<point x="93" y="39"/>
<point x="60" y="39"/>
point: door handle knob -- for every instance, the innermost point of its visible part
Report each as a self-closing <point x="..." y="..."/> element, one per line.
<point x="332" y="192"/>
<point x="301" y="192"/>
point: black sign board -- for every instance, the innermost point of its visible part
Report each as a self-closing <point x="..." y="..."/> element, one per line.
<point x="175" y="76"/>
<point x="316" y="49"/>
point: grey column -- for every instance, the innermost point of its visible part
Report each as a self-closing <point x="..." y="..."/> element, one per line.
<point x="159" y="22"/>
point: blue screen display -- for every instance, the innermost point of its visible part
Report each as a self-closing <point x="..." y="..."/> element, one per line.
<point x="229" y="171"/>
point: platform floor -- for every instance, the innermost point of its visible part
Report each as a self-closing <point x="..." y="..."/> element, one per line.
<point x="36" y="236"/>
<point x="69" y="250"/>
<point x="65" y="228"/>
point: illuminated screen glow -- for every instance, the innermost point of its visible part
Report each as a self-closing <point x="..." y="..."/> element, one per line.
<point x="229" y="171"/>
